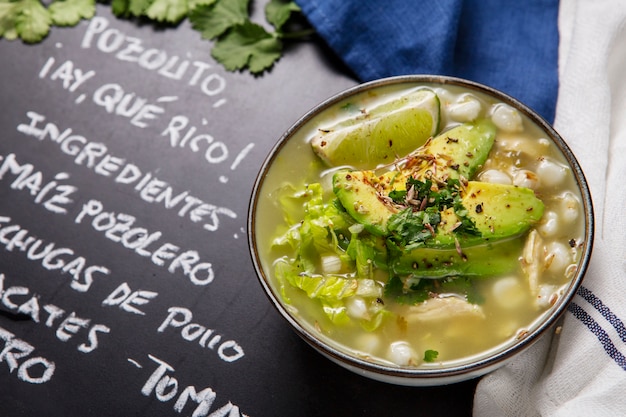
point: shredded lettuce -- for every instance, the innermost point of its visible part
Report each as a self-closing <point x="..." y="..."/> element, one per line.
<point x="320" y="229"/>
<point x="325" y="231"/>
<point x="336" y="311"/>
<point x="369" y="253"/>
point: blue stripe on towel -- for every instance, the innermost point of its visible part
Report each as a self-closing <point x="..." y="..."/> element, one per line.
<point x="604" y="310"/>
<point x="599" y="332"/>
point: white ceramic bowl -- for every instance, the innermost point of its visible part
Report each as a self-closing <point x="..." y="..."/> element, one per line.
<point x="406" y="375"/>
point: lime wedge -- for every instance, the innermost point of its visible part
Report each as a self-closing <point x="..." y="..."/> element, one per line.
<point x="381" y="134"/>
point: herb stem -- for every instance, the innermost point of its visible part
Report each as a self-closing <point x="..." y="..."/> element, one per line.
<point x="296" y="34"/>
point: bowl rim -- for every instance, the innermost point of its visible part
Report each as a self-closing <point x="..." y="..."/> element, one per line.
<point x="427" y="375"/>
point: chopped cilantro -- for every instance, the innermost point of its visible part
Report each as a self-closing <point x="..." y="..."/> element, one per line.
<point x="467" y="226"/>
<point x="410" y="229"/>
<point x="278" y="12"/>
<point x="430" y="355"/>
<point x="418" y="222"/>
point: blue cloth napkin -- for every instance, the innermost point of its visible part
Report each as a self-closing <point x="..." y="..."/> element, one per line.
<point x="511" y="46"/>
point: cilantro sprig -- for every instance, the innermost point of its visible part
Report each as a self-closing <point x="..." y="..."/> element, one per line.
<point x="238" y="42"/>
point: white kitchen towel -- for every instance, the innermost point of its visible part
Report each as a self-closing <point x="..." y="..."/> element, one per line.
<point x="582" y="372"/>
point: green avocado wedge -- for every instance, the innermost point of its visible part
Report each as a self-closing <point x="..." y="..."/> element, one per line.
<point x="498" y="211"/>
<point x="358" y="194"/>
<point x="484" y="260"/>
<point x="457" y="152"/>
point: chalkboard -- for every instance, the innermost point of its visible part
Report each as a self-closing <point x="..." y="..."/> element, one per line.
<point x="127" y="158"/>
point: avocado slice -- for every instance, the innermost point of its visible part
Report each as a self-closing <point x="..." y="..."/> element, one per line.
<point x="358" y="192"/>
<point x="498" y="210"/>
<point x="455" y="153"/>
<point x="484" y="260"/>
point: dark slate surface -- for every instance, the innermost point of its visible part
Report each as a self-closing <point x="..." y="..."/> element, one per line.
<point x="84" y="327"/>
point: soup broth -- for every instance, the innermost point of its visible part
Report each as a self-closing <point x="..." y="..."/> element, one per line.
<point x="406" y="320"/>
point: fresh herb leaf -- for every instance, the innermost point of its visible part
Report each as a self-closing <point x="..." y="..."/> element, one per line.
<point x="467" y="226"/>
<point x="70" y="12"/>
<point x="192" y="4"/>
<point x="127" y="8"/>
<point x="430" y="355"/>
<point x="398" y="196"/>
<point x="278" y="12"/>
<point x="423" y="189"/>
<point x="409" y="229"/>
<point x="247" y="45"/>
<point x="217" y="18"/>
<point x="170" y="11"/>
<point x="138" y="7"/>
<point x="8" y="12"/>
<point x="33" y="21"/>
<point x="418" y="222"/>
<point x="119" y="7"/>
<point x="239" y="43"/>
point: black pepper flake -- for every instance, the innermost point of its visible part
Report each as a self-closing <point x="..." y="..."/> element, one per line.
<point x="479" y="208"/>
<point x="455" y="167"/>
<point x="469" y="155"/>
<point x="572" y="243"/>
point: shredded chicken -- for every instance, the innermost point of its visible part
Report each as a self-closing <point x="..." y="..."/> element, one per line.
<point x="533" y="260"/>
<point x="440" y="308"/>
